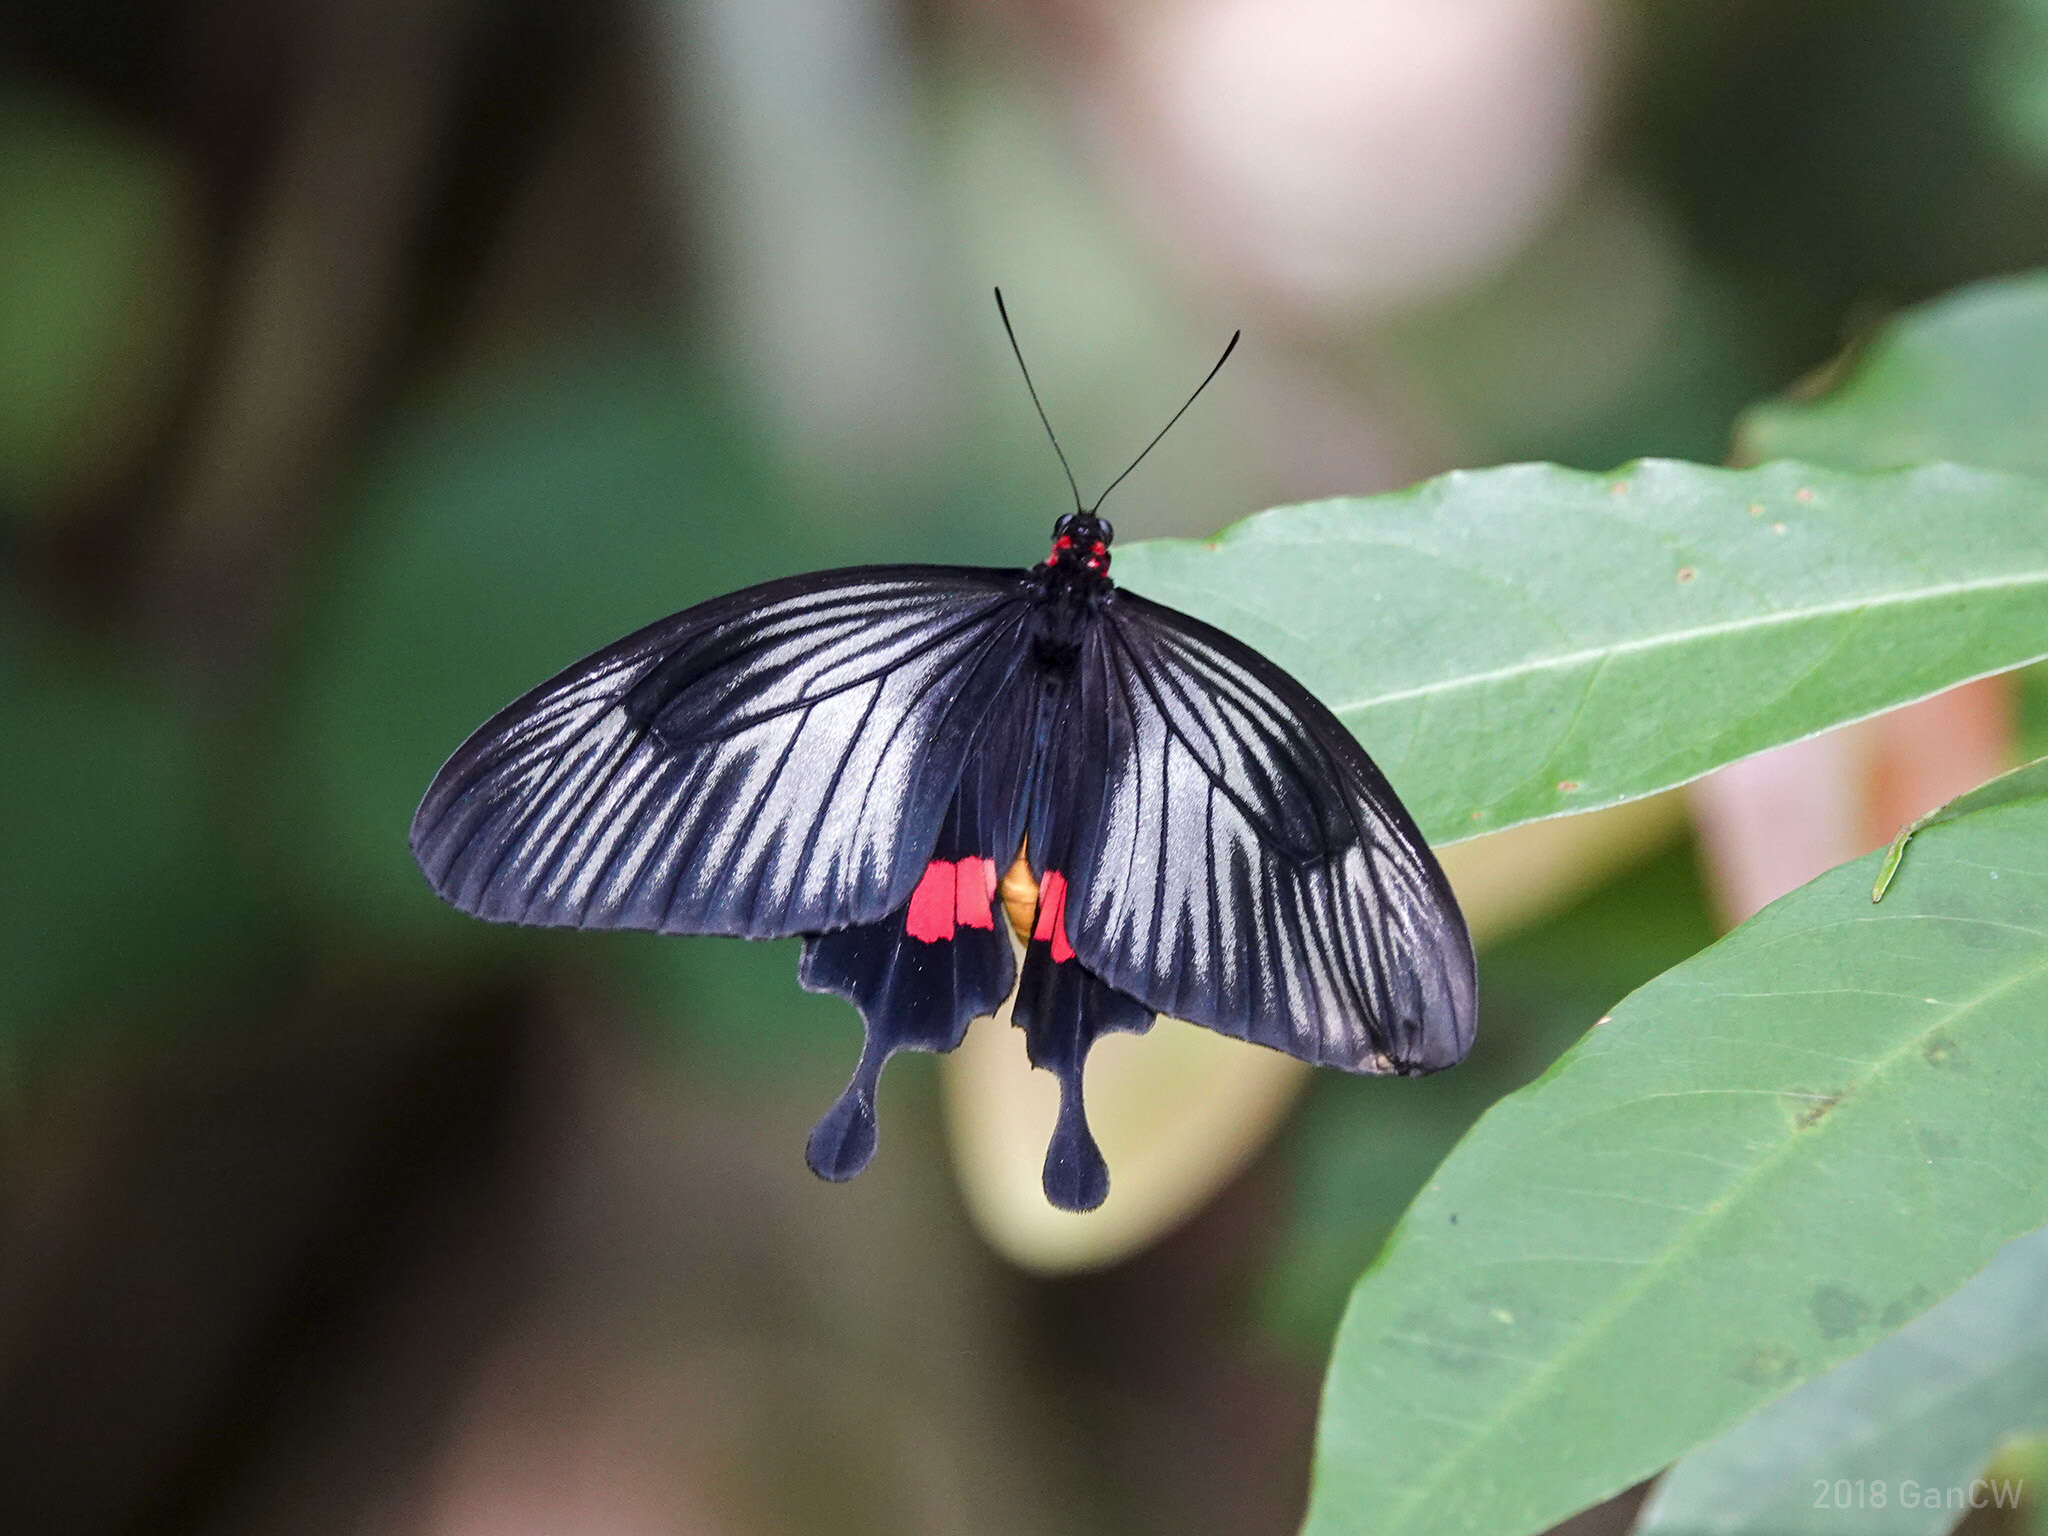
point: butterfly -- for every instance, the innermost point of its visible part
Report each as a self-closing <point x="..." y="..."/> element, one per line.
<point x="907" y="765"/>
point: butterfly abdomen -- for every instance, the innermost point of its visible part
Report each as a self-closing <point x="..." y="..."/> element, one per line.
<point x="1019" y="892"/>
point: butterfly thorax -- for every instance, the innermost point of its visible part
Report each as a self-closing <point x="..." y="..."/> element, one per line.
<point x="1073" y="585"/>
<point x="1073" y="582"/>
<point x="1080" y="547"/>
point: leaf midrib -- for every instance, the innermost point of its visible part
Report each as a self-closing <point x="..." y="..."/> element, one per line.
<point x="1692" y="1234"/>
<point x="1591" y="655"/>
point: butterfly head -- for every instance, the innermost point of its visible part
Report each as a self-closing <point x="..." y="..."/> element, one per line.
<point x="1080" y="542"/>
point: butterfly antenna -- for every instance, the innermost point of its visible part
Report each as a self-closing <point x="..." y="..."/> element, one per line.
<point x="1119" y="480"/>
<point x="1012" y="334"/>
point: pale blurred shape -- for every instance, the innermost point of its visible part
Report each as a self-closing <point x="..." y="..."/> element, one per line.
<point x="1510" y="879"/>
<point x="798" y="155"/>
<point x="1177" y="1111"/>
<point x="532" y="1457"/>
<point x="1772" y="822"/>
<point x="1587" y="312"/>
<point x="1181" y="1110"/>
<point x="1929" y="753"/>
<point x="1344" y="154"/>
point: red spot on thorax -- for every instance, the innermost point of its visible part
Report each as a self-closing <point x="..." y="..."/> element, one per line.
<point x="951" y="896"/>
<point x="1096" y="560"/>
<point x="1052" y="915"/>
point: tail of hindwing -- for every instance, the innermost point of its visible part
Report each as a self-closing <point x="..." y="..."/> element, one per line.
<point x="1063" y="1009"/>
<point x="920" y="975"/>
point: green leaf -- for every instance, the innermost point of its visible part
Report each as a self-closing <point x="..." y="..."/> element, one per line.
<point x="1765" y="1160"/>
<point x="2024" y="1458"/>
<point x="1891" y="1440"/>
<point x="1528" y="641"/>
<point x="1963" y="378"/>
<point x="2017" y="785"/>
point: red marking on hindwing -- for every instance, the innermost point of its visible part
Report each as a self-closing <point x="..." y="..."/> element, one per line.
<point x="1052" y="915"/>
<point x="949" y="897"/>
<point x="930" y="917"/>
<point x="974" y="886"/>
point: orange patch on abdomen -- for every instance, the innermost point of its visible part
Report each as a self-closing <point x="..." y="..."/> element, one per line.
<point x="1020" y="897"/>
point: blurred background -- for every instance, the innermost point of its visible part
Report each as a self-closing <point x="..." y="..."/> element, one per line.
<point x="363" y="363"/>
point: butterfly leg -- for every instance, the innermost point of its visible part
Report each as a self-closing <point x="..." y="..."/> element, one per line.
<point x="1063" y="1008"/>
<point x="918" y="977"/>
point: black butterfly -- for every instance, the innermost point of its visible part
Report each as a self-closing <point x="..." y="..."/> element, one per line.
<point x="892" y="760"/>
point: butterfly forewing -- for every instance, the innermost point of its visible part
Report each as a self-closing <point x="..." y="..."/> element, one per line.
<point x="1238" y="861"/>
<point x="775" y="762"/>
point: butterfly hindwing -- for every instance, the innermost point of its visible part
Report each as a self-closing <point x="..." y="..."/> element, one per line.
<point x="774" y="762"/>
<point x="1240" y="863"/>
<point x="921" y="973"/>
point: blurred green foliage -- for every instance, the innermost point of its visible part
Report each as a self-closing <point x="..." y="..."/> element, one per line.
<point x="1958" y="379"/>
<point x="2016" y="83"/>
<point x="97" y="283"/>
<point x="124" y="897"/>
<point x="1605" y="340"/>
